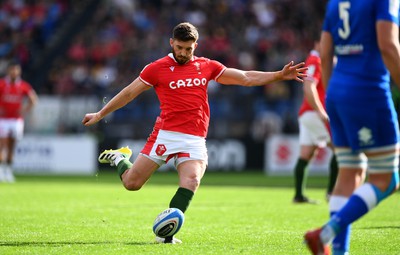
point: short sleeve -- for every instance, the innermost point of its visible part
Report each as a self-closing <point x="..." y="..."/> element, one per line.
<point x="148" y="74"/>
<point x="217" y="69"/>
<point x="388" y="10"/>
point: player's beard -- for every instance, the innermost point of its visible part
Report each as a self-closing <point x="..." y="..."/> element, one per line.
<point x="180" y="59"/>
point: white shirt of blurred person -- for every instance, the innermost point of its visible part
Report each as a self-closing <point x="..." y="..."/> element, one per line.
<point x="180" y="81"/>
<point x="13" y="107"/>
<point x="313" y="125"/>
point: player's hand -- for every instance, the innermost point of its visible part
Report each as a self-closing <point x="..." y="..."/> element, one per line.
<point x="324" y="116"/>
<point x="91" y="118"/>
<point x="294" y="72"/>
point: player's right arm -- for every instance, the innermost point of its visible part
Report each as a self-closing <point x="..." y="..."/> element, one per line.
<point x="388" y="42"/>
<point x="327" y="55"/>
<point x="125" y="96"/>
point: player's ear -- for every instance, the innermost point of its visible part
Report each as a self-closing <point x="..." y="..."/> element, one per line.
<point x="171" y="41"/>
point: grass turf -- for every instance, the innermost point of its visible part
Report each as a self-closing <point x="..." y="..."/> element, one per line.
<point x="232" y="213"/>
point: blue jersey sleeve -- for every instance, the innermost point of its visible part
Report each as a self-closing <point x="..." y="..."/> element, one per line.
<point x="388" y="10"/>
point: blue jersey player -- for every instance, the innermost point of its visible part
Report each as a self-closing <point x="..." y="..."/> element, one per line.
<point x="364" y="36"/>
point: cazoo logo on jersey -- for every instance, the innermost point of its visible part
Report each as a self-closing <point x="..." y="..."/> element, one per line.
<point x="187" y="83"/>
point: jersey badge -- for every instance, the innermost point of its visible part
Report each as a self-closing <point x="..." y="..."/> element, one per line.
<point x="161" y="149"/>
<point x="365" y="136"/>
<point x="197" y="64"/>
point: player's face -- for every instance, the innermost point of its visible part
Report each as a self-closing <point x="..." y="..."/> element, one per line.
<point x="182" y="51"/>
<point x="14" y="71"/>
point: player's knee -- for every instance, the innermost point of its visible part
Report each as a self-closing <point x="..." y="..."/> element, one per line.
<point x="390" y="189"/>
<point x="191" y="183"/>
<point x="349" y="159"/>
<point x="132" y="185"/>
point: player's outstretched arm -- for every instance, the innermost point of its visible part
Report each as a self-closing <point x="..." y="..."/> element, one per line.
<point x="126" y="95"/>
<point x="290" y="71"/>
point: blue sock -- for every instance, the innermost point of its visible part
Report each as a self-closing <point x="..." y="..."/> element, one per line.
<point x="364" y="199"/>
<point x="352" y="211"/>
<point x="341" y="243"/>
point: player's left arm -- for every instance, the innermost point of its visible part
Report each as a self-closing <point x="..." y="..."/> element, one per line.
<point x="290" y="71"/>
<point x="123" y="97"/>
<point x="32" y="101"/>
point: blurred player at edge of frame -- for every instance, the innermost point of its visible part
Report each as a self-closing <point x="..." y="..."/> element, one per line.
<point x="13" y="107"/>
<point x="314" y="126"/>
<point x="180" y="81"/>
<point x="364" y="35"/>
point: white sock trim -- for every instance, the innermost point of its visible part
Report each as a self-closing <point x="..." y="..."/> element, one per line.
<point x="118" y="159"/>
<point x="367" y="193"/>
<point x="337" y="202"/>
<point x="327" y="234"/>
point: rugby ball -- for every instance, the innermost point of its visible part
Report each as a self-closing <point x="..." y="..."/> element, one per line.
<point x="168" y="222"/>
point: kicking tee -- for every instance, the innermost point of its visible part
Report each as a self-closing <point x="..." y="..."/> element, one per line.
<point x="182" y="92"/>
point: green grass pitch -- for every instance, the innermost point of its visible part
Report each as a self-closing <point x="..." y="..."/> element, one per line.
<point x="232" y="213"/>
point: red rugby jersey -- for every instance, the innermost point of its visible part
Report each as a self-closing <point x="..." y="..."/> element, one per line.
<point x="12" y="96"/>
<point x="182" y="92"/>
<point x="313" y="62"/>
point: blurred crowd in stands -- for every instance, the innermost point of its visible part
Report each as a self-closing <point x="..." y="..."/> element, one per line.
<point x="112" y="46"/>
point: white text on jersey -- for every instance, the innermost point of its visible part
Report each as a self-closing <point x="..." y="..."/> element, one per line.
<point x="187" y="83"/>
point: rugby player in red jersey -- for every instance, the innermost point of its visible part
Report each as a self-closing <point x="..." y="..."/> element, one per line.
<point x="180" y="81"/>
<point x="13" y="92"/>
<point x="314" y="127"/>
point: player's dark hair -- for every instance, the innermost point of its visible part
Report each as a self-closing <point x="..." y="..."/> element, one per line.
<point x="185" y="32"/>
<point x="13" y="62"/>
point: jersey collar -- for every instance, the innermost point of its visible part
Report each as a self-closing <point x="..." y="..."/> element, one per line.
<point x="8" y="80"/>
<point x="173" y="58"/>
<point x="315" y="53"/>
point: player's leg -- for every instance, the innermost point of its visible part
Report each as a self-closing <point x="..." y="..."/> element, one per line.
<point x="333" y="173"/>
<point x="133" y="176"/>
<point x="15" y="133"/>
<point x="351" y="176"/>
<point x="300" y="172"/>
<point x="10" y="145"/>
<point x="3" y="143"/>
<point x="339" y="198"/>
<point x="383" y="180"/>
<point x="313" y="135"/>
<point x="190" y="174"/>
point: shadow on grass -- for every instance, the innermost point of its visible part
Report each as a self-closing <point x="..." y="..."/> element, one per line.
<point x="380" y="227"/>
<point x="63" y="243"/>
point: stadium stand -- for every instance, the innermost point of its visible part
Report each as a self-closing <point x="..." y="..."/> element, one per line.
<point x="85" y="48"/>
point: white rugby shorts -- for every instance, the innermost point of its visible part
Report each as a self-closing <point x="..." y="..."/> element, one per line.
<point x="313" y="131"/>
<point x="165" y="145"/>
<point x="11" y="128"/>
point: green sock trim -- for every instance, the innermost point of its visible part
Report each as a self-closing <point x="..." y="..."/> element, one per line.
<point x="181" y="199"/>
<point x="299" y="176"/>
<point x="333" y="172"/>
<point x="122" y="166"/>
